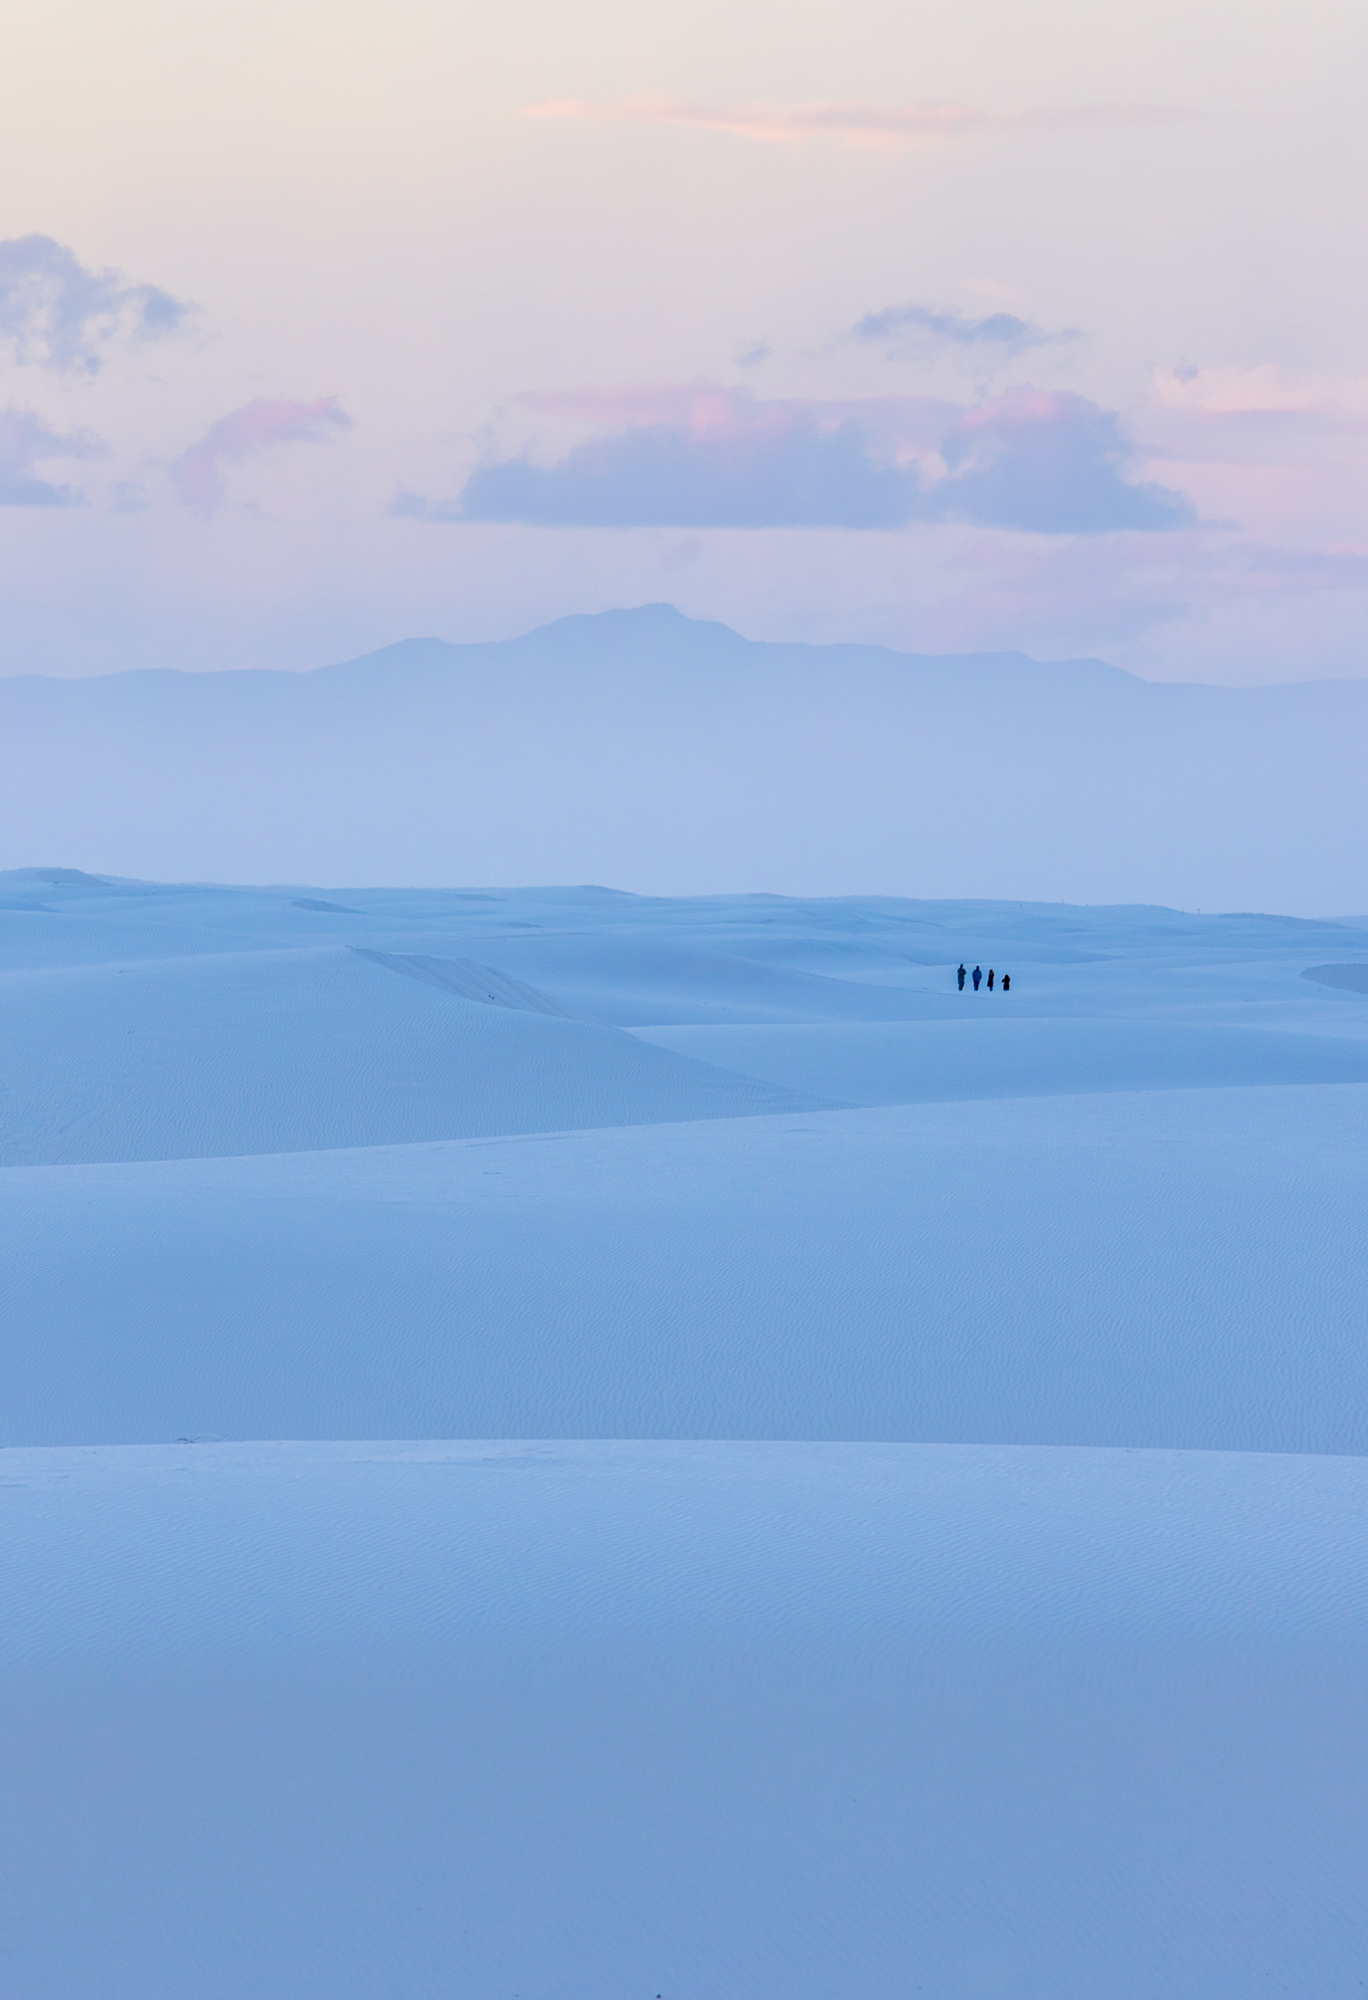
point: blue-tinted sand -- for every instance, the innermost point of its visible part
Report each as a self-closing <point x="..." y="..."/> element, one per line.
<point x="917" y="1537"/>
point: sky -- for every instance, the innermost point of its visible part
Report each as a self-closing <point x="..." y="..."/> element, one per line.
<point x="952" y="327"/>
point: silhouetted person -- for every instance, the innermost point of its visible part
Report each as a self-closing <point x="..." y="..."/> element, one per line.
<point x="1006" y="982"/>
<point x="977" y="976"/>
<point x="990" y="979"/>
<point x="961" y="979"/>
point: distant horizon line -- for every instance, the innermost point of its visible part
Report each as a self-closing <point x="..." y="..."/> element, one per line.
<point x="64" y="876"/>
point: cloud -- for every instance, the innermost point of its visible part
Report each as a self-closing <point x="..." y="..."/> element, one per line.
<point x="55" y="312"/>
<point x="25" y="442"/>
<point x="881" y="127"/>
<point x="1049" y="463"/>
<point x="1259" y="391"/>
<point x="197" y="474"/>
<point x="911" y="329"/>
<point x="728" y="462"/>
<point x="714" y="458"/>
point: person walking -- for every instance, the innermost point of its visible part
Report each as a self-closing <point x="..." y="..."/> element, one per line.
<point x="961" y="978"/>
<point x="1006" y="982"/>
<point x="990" y="979"/>
<point x="977" y="976"/>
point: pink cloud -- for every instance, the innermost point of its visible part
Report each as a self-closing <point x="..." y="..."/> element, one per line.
<point x="906" y="426"/>
<point x="197" y="474"/>
<point x="1259" y="391"/>
<point x="879" y="127"/>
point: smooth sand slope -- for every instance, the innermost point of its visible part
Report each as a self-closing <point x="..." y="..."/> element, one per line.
<point x="279" y="1051"/>
<point x="981" y="1608"/>
<point x="1166" y="1268"/>
<point x="339" y="1721"/>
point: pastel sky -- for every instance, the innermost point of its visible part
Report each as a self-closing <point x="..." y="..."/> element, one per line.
<point x="951" y="326"/>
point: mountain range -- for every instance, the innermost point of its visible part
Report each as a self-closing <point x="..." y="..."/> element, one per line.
<point x="666" y="755"/>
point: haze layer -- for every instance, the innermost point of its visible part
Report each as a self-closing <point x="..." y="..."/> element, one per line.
<point x="660" y="754"/>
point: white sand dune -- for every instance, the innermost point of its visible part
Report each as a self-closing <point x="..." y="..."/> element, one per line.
<point x="462" y="976"/>
<point x="1349" y="978"/>
<point x="981" y="1608"/>
<point x="934" y="1061"/>
<point x="1165" y="1268"/>
<point x="279" y="1051"/>
<point x="634" y="982"/>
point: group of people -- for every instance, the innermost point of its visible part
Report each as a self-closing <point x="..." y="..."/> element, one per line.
<point x="977" y="976"/>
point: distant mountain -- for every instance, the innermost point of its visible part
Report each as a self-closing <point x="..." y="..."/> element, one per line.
<point x="654" y="752"/>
